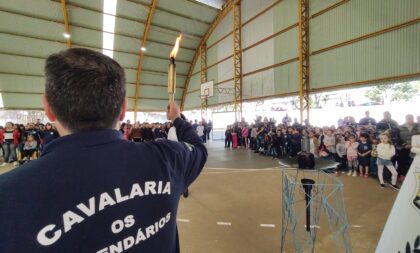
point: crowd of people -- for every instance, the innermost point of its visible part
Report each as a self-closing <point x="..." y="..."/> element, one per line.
<point x="20" y="143"/>
<point x="155" y="131"/>
<point x="361" y="148"/>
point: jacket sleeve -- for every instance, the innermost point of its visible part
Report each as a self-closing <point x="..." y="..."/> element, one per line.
<point x="193" y="153"/>
<point x="15" y="137"/>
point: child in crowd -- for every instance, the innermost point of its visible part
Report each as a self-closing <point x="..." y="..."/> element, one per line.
<point x="341" y="153"/>
<point x="295" y="142"/>
<point x="351" y="146"/>
<point x="228" y="137"/>
<point x="30" y="148"/>
<point x="244" y="136"/>
<point x="313" y="144"/>
<point x="329" y="142"/>
<point x="373" y="157"/>
<point x="274" y="150"/>
<point x="364" y="149"/>
<point x="253" y="140"/>
<point x="282" y="141"/>
<point x="234" y="134"/>
<point x="385" y="152"/>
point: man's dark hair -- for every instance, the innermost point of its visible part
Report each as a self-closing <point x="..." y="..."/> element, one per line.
<point x="85" y="89"/>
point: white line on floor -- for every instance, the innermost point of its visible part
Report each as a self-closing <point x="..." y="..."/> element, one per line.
<point x="183" y="220"/>
<point x="267" y="225"/>
<point x="314" y="226"/>
<point x="220" y="223"/>
<point x="357" y="226"/>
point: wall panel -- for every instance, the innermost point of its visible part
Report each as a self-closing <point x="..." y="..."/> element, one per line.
<point x="392" y="54"/>
<point x="22" y="83"/>
<point x="258" y="29"/>
<point x="359" y="17"/>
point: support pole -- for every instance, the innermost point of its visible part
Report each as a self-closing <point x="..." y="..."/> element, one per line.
<point x="203" y="76"/>
<point x="140" y="61"/>
<point x="304" y="88"/>
<point x="237" y="59"/>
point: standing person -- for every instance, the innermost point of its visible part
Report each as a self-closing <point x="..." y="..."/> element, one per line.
<point x="228" y="137"/>
<point x="385" y="152"/>
<point x="195" y="125"/>
<point x="351" y="146"/>
<point x="342" y="154"/>
<point x="10" y="141"/>
<point x="387" y="123"/>
<point x="295" y="141"/>
<point x="135" y="133"/>
<point x="330" y="143"/>
<point x="313" y="144"/>
<point x="1" y="140"/>
<point x="91" y="184"/>
<point x="253" y="137"/>
<point x="234" y="137"/>
<point x="49" y="134"/>
<point x="200" y="132"/>
<point x="364" y="149"/>
<point x="407" y="130"/>
<point x="209" y="129"/>
<point x="274" y="152"/>
<point x="244" y="136"/>
<point x="367" y="120"/>
<point x="373" y="169"/>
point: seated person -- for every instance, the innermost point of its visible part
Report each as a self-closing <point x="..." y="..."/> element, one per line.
<point x="29" y="148"/>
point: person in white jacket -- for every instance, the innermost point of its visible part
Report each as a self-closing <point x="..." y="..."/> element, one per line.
<point x="386" y="151"/>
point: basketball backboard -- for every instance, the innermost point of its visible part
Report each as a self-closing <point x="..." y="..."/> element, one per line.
<point x="207" y="89"/>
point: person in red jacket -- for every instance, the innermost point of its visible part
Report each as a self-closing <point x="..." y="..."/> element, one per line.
<point x="9" y="139"/>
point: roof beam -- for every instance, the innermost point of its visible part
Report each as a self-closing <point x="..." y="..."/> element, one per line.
<point x="157" y="72"/>
<point x="66" y="23"/>
<point x="189" y="35"/>
<point x="92" y="28"/>
<point x="219" y="17"/>
<point x="90" y="46"/>
<point x="42" y="93"/>
<point x="140" y="62"/>
<point x="172" y="13"/>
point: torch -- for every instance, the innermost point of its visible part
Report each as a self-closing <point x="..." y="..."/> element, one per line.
<point x="307" y="185"/>
<point x="172" y="70"/>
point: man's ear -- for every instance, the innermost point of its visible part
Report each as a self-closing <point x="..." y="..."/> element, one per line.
<point x="123" y="109"/>
<point x="47" y="108"/>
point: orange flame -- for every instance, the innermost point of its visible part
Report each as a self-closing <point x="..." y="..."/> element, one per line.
<point x="176" y="47"/>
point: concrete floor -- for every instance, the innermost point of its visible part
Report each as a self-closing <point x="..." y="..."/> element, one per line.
<point x="239" y="190"/>
<point x="243" y="189"/>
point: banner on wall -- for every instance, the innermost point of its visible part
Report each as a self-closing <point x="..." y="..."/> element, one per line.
<point x="402" y="230"/>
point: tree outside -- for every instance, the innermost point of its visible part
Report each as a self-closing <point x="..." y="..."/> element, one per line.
<point x="393" y="92"/>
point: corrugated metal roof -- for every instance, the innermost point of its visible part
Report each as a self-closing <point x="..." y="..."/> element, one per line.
<point x="32" y="30"/>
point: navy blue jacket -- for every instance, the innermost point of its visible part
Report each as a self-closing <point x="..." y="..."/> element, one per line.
<point x="95" y="192"/>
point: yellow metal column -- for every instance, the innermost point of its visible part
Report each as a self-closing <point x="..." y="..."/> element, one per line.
<point x="219" y="17"/>
<point x="203" y="76"/>
<point x="237" y="59"/>
<point x="140" y="62"/>
<point x="66" y="23"/>
<point x="304" y="58"/>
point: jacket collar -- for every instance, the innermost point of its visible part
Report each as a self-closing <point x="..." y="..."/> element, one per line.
<point x="83" y="139"/>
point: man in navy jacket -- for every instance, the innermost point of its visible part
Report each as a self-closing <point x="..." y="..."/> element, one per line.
<point x="92" y="191"/>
